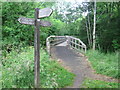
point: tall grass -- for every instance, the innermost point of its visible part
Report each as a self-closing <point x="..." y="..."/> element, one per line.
<point x="18" y="71"/>
<point x="106" y="64"/>
<point x="89" y="83"/>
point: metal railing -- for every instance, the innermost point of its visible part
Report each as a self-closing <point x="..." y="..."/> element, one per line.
<point x="73" y="42"/>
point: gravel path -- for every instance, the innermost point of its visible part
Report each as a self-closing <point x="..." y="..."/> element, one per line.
<point x="78" y="64"/>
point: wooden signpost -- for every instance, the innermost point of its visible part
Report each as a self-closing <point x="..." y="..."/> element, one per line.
<point x="39" y="13"/>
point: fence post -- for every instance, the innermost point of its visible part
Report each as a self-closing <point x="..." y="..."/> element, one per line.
<point x="75" y="43"/>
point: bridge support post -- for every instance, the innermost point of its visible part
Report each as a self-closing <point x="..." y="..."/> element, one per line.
<point x="48" y="45"/>
<point x="68" y="40"/>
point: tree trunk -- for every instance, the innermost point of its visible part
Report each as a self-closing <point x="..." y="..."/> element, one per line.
<point x="87" y="33"/>
<point x="90" y="33"/>
<point x="94" y="28"/>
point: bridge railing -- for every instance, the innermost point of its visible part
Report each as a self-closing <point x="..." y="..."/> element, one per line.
<point x="73" y="42"/>
<point x="77" y="44"/>
<point x="54" y="40"/>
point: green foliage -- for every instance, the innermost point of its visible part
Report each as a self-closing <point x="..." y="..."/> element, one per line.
<point x="106" y="64"/>
<point x="115" y="44"/>
<point x="89" y="83"/>
<point x="57" y="28"/>
<point x="18" y="71"/>
<point x="107" y="27"/>
<point x="107" y="24"/>
<point x="20" y="35"/>
<point x="14" y="33"/>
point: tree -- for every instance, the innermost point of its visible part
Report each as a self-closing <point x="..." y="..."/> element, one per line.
<point x="94" y="28"/>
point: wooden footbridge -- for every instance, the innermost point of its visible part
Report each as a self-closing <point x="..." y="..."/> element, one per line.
<point x="68" y="41"/>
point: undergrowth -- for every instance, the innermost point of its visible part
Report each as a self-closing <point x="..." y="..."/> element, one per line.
<point x="18" y="71"/>
<point x="106" y="64"/>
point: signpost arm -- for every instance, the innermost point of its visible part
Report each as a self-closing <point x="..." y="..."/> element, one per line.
<point x="36" y="51"/>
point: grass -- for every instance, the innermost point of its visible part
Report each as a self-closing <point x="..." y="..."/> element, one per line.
<point x="89" y="83"/>
<point x="18" y="71"/>
<point x="106" y="64"/>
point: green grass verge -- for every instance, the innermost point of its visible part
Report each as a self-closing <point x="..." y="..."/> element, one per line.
<point x="89" y="83"/>
<point x="18" y="71"/>
<point x="106" y="64"/>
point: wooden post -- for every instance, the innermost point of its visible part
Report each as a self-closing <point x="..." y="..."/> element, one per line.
<point x="36" y="51"/>
<point x="75" y="43"/>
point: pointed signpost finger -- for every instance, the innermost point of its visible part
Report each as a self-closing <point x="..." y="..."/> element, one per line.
<point x="45" y="23"/>
<point x="30" y="21"/>
<point x="45" y="12"/>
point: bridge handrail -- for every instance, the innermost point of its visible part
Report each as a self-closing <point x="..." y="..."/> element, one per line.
<point x="74" y="44"/>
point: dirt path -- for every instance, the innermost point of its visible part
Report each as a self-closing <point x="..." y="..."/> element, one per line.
<point x="78" y="64"/>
